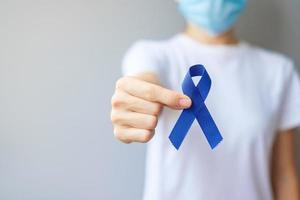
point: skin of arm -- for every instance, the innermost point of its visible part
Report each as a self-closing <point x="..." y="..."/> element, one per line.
<point x="285" y="180"/>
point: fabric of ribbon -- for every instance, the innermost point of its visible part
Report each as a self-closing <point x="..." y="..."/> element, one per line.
<point x="198" y="109"/>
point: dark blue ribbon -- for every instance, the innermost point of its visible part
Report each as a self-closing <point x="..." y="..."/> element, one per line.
<point x="198" y="109"/>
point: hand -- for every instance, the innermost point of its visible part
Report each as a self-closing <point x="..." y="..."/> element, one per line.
<point x="136" y="105"/>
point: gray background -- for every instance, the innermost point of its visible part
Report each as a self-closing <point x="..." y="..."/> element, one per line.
<point x="58" y="64"/>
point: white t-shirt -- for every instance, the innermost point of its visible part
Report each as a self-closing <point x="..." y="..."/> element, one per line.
<point x="254" y="94"/>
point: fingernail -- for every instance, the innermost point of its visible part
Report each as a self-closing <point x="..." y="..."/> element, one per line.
<point x="184" y="102"/>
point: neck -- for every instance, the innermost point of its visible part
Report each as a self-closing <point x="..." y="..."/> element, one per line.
<point x="201" y="36"/>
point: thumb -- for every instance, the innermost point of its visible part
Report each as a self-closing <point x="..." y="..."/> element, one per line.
<point x="155" y="93"/>
<point x="172" y="99"/>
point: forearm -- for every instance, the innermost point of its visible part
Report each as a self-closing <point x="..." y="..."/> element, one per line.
<point x="286" y="187"/>
<point x="284" y="171"/>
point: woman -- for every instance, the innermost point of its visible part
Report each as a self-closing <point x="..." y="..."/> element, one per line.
<point x="254" y="100"/>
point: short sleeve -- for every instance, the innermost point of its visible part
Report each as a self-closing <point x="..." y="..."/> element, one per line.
<point x="143" y="56"/>
<point x="290" y="105"/>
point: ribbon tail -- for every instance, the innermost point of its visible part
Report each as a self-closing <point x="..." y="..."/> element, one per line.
<point x="209" y="127"/>
<point x="181" y="127"/>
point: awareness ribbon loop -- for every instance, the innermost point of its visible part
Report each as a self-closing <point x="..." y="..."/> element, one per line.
<point x="197" y="110"/>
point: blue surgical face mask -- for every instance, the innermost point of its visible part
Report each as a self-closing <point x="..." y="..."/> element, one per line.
<point x="214" y="16"/>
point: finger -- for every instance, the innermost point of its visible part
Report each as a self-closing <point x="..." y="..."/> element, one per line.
<point x="126" y="101"/>
<point x="154" y="93"/>
<point x="130" y="134"/>
<point x="134" y="119"/>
